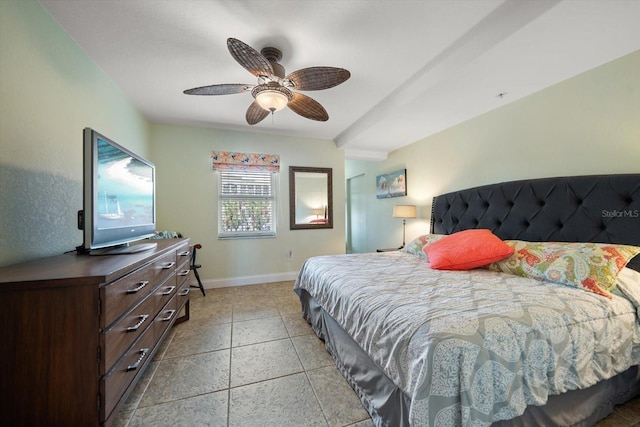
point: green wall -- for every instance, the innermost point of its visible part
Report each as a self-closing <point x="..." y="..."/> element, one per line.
<point x="589" y="124"/>
<point x="187" y="202"/>
<point x="49" y="91"/>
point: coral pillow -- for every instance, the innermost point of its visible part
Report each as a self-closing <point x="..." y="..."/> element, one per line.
<point x="467" y="249"/>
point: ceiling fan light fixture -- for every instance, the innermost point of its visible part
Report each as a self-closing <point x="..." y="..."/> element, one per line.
<point x="272" y="97"/>
<point x="274" y="90"/>
<point x="272" y="100"/>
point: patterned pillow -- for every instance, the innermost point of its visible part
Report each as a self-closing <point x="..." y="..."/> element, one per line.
<point x="590" y="266"/>
<point x="416" y="245"/>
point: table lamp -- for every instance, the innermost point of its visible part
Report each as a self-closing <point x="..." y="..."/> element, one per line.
<point x="404" y="212"/>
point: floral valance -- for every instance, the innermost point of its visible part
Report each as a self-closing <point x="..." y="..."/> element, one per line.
<point x="227" y="160"/>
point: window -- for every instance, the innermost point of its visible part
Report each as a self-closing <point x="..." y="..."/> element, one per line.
<point x="246" y="204"/>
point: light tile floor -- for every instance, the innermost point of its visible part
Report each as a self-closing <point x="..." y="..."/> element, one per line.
<point x="247" y="358"/>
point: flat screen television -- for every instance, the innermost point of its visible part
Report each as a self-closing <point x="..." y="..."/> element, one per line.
<point x="119" y="205"/>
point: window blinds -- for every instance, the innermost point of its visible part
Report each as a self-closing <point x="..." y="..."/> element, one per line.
<point x="246" y="205"/>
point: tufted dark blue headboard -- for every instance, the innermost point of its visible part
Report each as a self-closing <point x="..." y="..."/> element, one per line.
<point x="595" y="208"/>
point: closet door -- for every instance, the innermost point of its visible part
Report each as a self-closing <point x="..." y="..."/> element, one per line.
<point x="356" y="221"/>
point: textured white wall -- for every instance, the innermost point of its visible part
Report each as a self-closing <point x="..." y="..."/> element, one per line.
<point x="589" y="124"/>
<point x="49" y="91"/>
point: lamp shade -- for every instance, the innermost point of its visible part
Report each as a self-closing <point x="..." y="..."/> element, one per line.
<point x="319" y="211"/>
<point x="404" y="211"/>
<point x="272" y="96"/>
<point x="272" y="100"/>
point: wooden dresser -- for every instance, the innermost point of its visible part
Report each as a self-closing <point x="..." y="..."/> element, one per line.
<point x="78" y="331"/>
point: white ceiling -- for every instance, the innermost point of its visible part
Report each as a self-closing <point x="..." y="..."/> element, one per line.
<point x="417" y="66"/>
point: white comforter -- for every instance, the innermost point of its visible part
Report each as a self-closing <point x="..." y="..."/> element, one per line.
<point x="472" y="347"/>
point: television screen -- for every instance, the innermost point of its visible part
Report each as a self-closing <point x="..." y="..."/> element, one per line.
<point x="119" y="195"/>
<point x="124" y="188"/>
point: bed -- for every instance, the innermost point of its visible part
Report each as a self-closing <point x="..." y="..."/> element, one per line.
<point x="493" y="345"/>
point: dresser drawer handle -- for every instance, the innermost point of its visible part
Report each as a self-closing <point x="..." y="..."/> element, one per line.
<point x="185" y="253"/>
<point x="184" y="293"/>
<point x="143" y="353"/>
<point x="168" y="265"/>
<point x="184" y="273"/>
<point x="142" y="284"/>
<point x="166" y="319"/>
<point x="137" y="325"/>
<point x="168" y="291"/>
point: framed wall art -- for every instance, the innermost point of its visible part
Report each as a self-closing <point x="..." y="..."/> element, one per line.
<point x="392" y="184"/>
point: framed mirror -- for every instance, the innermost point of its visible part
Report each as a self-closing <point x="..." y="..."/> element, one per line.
<point x="310" y="198"/>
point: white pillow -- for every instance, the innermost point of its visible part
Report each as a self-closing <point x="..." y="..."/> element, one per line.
<point x="628" y="283"/>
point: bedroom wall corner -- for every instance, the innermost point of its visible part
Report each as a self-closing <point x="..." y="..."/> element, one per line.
<point x="585" y="125"/>
<point x="370" y="223"/>
<point x="49" y="91"/>
<point x="187" y="202"/>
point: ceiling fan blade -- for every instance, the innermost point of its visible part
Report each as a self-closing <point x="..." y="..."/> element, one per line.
<point x="307" y="107"/>
<point x="316" y="78"/>
<point x="255" y="113"/>
<point x="249" y="58"/>
<point x="223" y="89"/>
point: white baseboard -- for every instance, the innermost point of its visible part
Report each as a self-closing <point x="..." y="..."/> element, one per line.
<point x="249" y="280"/>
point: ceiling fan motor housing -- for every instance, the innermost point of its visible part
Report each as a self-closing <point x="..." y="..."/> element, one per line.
<point x="274" y="56"/>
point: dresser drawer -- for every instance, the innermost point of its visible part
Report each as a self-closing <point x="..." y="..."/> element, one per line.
<point x="182" y="274"/>
<point x="182" y="296"/>
<point x="164" y="293"/>
<point x="120" y="336"/>
<point x="165" y="318"/>
<point x="114" y="384"/>
<point x="183" y="254"/>
<point x="183" y="267"/>
<point x="122" y="294"/>
<point x="163" y="267"/>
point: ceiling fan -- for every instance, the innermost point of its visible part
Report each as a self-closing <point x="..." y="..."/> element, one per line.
<point x="274" y="90"/>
